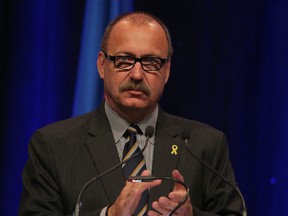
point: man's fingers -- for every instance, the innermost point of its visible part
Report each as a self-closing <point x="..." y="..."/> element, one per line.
<point x="177" y="175"/>
<point x="164" y="205"/>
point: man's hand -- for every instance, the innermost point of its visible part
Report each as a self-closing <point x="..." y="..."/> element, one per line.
<point x="128" y="200"/>
<point x="165" y="205"/>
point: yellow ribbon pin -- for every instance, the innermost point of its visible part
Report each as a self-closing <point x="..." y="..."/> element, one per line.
<point x="174" y="149"/>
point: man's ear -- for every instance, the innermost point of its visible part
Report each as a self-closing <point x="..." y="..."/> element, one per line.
<point x="100" y="64"/>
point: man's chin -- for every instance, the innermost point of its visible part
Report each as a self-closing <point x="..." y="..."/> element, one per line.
<point x="135" y="106"/>
<point x="135" y="103"/>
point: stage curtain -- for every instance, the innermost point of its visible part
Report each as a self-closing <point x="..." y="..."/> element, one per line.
<point x="44" y="61"/>
<point x="229" y="70"/>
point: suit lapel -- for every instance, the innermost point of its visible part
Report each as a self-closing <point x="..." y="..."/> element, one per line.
<point x="101" y="147"/>
<point x="165" y="159"/>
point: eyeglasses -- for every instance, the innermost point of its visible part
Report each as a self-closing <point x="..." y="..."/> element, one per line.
<point x="148" y="63"/>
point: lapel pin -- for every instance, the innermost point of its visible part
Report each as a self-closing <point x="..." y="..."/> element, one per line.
<point x="174" y="149"/>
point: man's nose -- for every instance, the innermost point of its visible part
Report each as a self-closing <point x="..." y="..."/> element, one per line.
<point x="137" y="72"/>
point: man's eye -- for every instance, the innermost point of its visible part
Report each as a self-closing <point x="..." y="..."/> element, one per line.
<point x="150" y="60"/>
<point x="124" y="58"/>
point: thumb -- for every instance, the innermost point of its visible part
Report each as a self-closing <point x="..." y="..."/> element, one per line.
<point x="177" y="175"/>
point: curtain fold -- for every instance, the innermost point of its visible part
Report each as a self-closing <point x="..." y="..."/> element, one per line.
<point x="46" y="71"/>
<point x="89" y="87"/>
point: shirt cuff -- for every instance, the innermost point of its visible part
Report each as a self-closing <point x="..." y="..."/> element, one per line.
<point x="104" y="211"/>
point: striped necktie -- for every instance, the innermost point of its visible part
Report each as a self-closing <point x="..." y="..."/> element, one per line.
<point x="135" y="166"/>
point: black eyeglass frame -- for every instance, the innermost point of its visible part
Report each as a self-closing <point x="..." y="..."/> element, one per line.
<point x="112" y="58"/>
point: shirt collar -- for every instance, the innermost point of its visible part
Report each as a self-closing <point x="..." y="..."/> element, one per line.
<point x="119" y="125"/>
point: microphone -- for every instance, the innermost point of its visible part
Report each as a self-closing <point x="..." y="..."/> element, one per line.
<point x="149" y="131"/>
<point x="186" y="138"/>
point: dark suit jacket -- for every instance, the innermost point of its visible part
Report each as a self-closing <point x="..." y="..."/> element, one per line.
<point x="63" y="156"/>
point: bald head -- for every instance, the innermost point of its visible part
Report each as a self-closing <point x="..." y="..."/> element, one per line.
<point x="136" y="18"/>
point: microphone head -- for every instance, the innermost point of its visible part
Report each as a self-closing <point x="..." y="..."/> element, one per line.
<point x="149" y="131"/>
<point x="185" y="135"/>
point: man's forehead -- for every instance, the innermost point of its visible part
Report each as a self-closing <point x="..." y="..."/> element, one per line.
<point x="129" y="36"/>
<point x="128" y="22"/>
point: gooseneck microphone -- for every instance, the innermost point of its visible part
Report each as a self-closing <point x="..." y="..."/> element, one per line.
<point x="186" y="138"/>
<point x="149" y="131"/>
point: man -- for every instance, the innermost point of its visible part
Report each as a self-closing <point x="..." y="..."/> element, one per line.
<point x="134" y="63"/>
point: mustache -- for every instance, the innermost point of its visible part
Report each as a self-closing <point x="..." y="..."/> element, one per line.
<point x="138" y="86"/>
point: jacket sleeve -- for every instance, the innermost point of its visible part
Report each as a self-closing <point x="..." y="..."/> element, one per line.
<point x="40" y="194"/>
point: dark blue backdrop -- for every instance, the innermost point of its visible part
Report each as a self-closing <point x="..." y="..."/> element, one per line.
<point x="229" y="70"/>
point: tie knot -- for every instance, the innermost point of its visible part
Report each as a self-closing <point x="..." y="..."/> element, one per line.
<point x="132" y="129"/>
